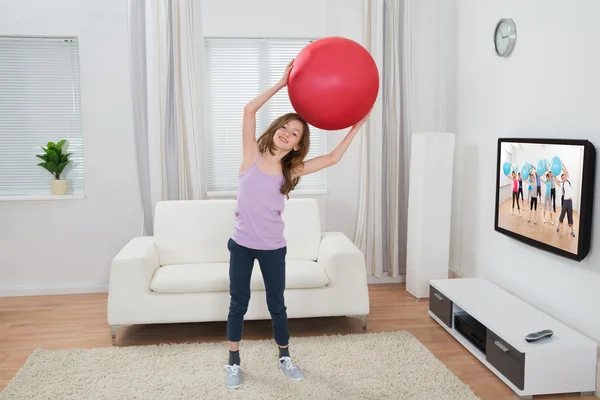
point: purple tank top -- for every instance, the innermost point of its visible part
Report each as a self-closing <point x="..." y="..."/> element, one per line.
<point x="258" y="221"/>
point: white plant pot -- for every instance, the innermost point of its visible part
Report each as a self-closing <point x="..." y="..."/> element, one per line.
<point x="59" y="187"/>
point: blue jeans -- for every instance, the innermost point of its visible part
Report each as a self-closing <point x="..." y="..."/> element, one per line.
<point x="272" y="266"/>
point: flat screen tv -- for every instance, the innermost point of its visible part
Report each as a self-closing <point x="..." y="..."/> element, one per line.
<point x="545" y="193"/>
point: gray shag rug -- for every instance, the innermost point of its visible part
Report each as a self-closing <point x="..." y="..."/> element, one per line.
<point x="389" y="365"/>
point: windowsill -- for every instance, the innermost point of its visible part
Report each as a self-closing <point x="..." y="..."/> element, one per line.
<point x="314" y="192"/>
<point x="294" y="193"/>
<point x="42" y="197"/>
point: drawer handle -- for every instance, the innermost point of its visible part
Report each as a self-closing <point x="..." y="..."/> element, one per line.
<point x="501" y="346"/>
<point x="437" y="296"/>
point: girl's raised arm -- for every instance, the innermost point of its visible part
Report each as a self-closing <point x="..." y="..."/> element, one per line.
<point x="249" y="145"/>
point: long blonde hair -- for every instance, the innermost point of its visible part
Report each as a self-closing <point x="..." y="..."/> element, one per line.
<point x="294" y="160"/>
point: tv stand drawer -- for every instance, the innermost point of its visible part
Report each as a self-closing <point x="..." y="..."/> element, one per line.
<point x="506" y="359"/>
<point x="440" y="305"/>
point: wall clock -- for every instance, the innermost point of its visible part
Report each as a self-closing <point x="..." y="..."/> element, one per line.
<point x="505" y="36"/>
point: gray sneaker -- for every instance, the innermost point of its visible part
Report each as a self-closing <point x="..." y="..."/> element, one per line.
<point x="233" y="380"/>
<point x="290" y="369"/>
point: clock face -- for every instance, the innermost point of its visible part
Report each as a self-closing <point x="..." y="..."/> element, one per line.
<point x="504" y="37"/>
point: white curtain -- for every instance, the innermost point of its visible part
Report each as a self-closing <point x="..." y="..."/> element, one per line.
<point x="166" y="80"/>
<point x="382" y="214"/>
<point x="137" y="47"/>
<point x="369" y="229"/>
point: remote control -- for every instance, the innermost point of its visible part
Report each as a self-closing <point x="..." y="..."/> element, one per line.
<point x="532" y="337"/>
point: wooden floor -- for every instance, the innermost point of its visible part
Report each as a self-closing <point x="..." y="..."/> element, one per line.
<point x="79" y="321"/>
<point x="540" y="231"/>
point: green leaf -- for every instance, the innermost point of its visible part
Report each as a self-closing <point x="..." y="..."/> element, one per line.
<point x="62" y="166"/>
<point x="47" y="151"/>
<point x="65" y="157"/>
<point x="55" y="158"/>
<point x="43" y="157"/>
<point x="50" y="153"/>
<point x="51" y="145"/>
<point x="61" y="143"/>
<point x="45" y="166"/>
<point x="52" y="167"/>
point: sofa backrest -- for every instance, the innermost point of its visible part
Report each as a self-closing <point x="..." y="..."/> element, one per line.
<point x="196" y="231"/>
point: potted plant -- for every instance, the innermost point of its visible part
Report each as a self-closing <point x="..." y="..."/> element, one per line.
<point x="55" y="162"/>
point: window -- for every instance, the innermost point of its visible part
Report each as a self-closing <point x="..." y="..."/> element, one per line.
<point x="236" y="71"/>
<point x="40" y="102"/>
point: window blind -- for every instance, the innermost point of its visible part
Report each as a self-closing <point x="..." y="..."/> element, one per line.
<point x="236" y="71"/>
<point x="40" y="102"/>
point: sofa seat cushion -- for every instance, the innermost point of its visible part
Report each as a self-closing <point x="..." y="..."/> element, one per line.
<point x="214" y="277"/>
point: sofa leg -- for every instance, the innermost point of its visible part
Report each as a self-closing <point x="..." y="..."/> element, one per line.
<point x="363" y="318"/>
<point x="113" y="332"/>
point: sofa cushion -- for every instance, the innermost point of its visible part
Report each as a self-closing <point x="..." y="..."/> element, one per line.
<point x="302" y="229"/>
<point x="197" y="231"/>
<point x="193" y="231"/>
<point x="214" y="277"/>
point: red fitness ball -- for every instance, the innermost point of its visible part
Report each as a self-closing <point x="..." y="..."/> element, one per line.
<point x="333" y="83"/>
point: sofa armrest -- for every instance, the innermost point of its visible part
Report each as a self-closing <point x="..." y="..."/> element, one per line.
<point x="133" y="267"/>
<point x="343" y="261"/>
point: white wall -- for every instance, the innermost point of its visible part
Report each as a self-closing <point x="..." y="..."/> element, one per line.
<point x="548" y="87"/>
<point x="65" y="246"/>
<point x="302" y="19"/>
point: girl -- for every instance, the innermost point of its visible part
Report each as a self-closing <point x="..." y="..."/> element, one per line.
<point x="520" y="189"/>
<point x="271" y="168"/>
<point x="529" y="189"/>
<point x="532" y="200"/>
<point x="567" y="206"/>
<point x="515" y="192"/>
<point x="552" y="191"/>
<point x="548" y="195"/>
<point x="538" y="184"/>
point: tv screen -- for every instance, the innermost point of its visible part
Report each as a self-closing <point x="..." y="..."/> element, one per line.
<point x="544" y="193"/>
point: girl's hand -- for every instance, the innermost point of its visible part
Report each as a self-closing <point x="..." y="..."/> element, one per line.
<point x="362" y="121"/>
<point x="256" y="103"/>
<point x="321" y="162"/>
<point x="284" y="79"/>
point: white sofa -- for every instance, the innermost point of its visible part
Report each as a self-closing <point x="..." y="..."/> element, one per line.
<point x="181" y="274"/>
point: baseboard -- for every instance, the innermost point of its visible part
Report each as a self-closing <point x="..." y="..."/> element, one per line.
<point x="597" y="394"/>
<point x="51" y="290"/>
<point x="385" y="278"/>
<point x="454" y="274"/>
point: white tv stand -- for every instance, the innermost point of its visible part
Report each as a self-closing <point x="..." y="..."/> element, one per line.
<point x="563" y="363"/>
